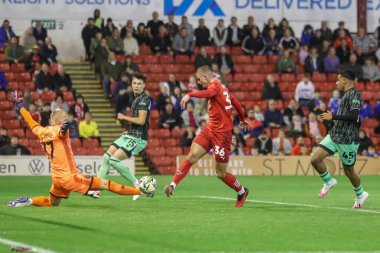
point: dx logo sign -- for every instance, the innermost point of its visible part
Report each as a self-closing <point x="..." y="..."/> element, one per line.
<point x="203" y="7"/>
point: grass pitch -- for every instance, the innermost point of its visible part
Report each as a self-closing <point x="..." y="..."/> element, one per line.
<point x="283" y="214"/>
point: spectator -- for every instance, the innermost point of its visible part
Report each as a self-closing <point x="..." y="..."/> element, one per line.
<point x="343" y="52"/>
<point x="283" y="26"/>
<point x="173" y="82"/>
<point x="317" y="40"/>
<point x="59" y="103"/>
<point x="45" y="114"/>
<point x="142" y="35"/>
<point x="162" y="98"/>
<point x="219" y="34"/>
<point x="131" y="47"/>
<point x="154" y="24"/>
<point x="296" y="150"/>
<point x="343" y="37"/>
<point x="313" y="62"/>
<point x="79" y="108"/>
<point x="272" y="43"/>
<point x="115" y="43"/>
<point x="6" y="33"/>
<point x="247" y="28"/>
<point x="285" y="64"/>
<point x="263" y="144"/>
<point x="254" y="152"/>
<point x="288" y="42"/>
<point x="49" y="51"/>
<point x="376" y="110"/>
<point x="88" y="33"/>
<point x="271" y="91"/>
<point x="325" y="49"/>
<point x="235" y="33"/>
<point x="101" y="56"/>
<point x="88" y="128"/>
<point x="73" y="127"/>
<point x="365" y="110"/>
<point x="35" y="113"/>
<point x="234" y="147"/>
<point x="304" y="52"/>
<point x="340" y="29"/>
<point x="291" y="110"/>
<point x="335" y="102"/>
<point x="183" y="43"/>
<point x="271" y="25"/>
<point x="112" y="72"/>
<point x="371" y="72"/>
<point x="316" y="142"/>
<point x="372" y="152"/>
<point x="4" y="139"/>
<point x="258" y="114"/>
<point x="201" y="109"/>
<point x="128" y="28"/>
<point x="189" y="116"/>
<point x="257" y="125"/>
<point x="170" y="119"/>
<point x="304" y="91"/>
<point x="202" y="58"/>
<point x="175" y="99"/>
<point x="315" y="102"/>
<point x="354" y="66"/>
<point x="364" y="142"/>
<point x="62" y="80"/>
<point x="130" y="66"/>
<point x="192" y="85"/>
<point x="13" y="148"/>
<point x="321" y="109"/>
<point x="188" y="137"/>
<point x="307" y="35"/>
<point x="14" y="52"/>
<point x="224" y="61"/>
<point x="189" y="27"/>
<point x="162" y="43"/>
<point x="35" y="58"/>
<point x="171" y="27"/>
<point x="254" y="44"/>
<point x="202" y="34"/>
<point x="40" y="33"/>
<point x="326" y="31"/>
<point x="3" y="81"/>
<point x="273" y="117"/>
<point x="331" y="62"/>
<point x="296" y="128"/>
<point x="121" y="93"/>
<point x="28" y="41"/>
<point x="218" y="75"/>
<point x="44" y="81"/>
<point x="202" y="124"/>
<point x="281" y="145"/>
<point x="108" y="30"/>
<point x="314" y="127"/>
<point x="98" y="20"/>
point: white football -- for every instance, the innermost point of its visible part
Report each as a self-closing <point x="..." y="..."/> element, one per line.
<point x="147" y="184"/>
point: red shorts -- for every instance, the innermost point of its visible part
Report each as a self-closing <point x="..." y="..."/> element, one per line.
<point x="62" y="187"/>
<point x="219" y="141"/>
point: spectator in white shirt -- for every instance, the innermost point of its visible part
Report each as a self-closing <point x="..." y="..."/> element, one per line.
<point x="131" y="46"/>
<point x="304" y="91"/>
<point x="219" y="34"/>
<point x="281" y="145"/>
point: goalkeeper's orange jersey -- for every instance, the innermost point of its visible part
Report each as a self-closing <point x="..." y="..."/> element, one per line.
<point x="56" y="146"/>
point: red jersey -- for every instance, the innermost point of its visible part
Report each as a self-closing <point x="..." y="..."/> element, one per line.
<point x="220" y="106"/>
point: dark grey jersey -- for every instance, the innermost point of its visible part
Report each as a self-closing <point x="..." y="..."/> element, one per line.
<point x="347" y="132"/>
<point x="141" y="103"/>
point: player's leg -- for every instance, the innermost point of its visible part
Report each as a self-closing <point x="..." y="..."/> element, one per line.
<point x="115" y="162"/>
<point x="325" y="148"/>
<point x="105" y="184"/>
<point x="105" y="166"/>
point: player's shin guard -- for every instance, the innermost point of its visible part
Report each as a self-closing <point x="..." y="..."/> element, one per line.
<point x="123" y="170"/>
<point x="41" y="201"/>
<point x="122" y="189"/>
<point x="233" y="183"/>
<point x="105" y="167"/>
<point x="181" y="172"/>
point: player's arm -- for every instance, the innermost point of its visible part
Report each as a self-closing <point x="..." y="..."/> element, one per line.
<point x="140" y="120"/>
<point x="352" y="116"/>
<point x="238" y="107"/>
<point x="209" y="93"/>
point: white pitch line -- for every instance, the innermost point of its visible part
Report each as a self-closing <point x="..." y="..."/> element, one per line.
<point x="294" y="204"/>
<point x="20" y="244"/>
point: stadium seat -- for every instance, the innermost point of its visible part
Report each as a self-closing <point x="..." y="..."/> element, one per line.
<point x="35" y="143"/>
<point x="26" y="85"/>
<point x="156" y="68"/>
<point x="360" y="86"/>
<point x="326" y="86"/>
<point x="76" y="143"/>
<point x="30" y="135"/>
<point x="369" y="123"/>
<point x="372" y="86"/>
<point x="243" y="59"/>
<point x="10" y="76"/>
<point x="272" y="59"/>
<point x="319" y="77"/>
<point x="166" y="59"/>
<point x="240" y="95"/>
<point x="13" y="85"/>
<point x="254" y="96"/>
<point x="4" y="67"/>
<point x="17" y="131"/>
<point x="18" y="67"/>
<point x="247" y="87"/>
<point x="3" y="95"/>
<point x="367" y="95"/>
<point x="174" y="151"/>
<point x="157" y="152"/>
<point x="260" y="59"/>
<point x="250" y="142"/>
<point x="235" y="86"/>
<point x="288" y="78"/>
<point x="248" y="68"/>
<point x="187" y="69"/>
<point x="90" y="143"/>
<point x="96" y="151"/>
<point x="166" y="170"/>
<point x="170" y="142"/>
<point x="48" y="96"/>
<point x="258" y="78"/>
<point x="268" y="69"/>
<point x="236" y="51"/>
<point x="283" y="86"/>
<point x="5" y="105"/>
<point x="34" y="95"/>
<point x="80" y="151"/>
<point x="120" y="58"/>
<point x="68" y="96"/>
<point x="7" y="115"/>
<point x="171" y="68"/>
<point x="300" y="69"/>
<point x="11" y="124"/>
<point x="138" y="59"/>
<point x="332" y="77"/>
<point x="177" y="133"/>
<point x="163" y="161"/>
<point x="161" y="133"/>
<point x="3" y="58"/>
<point x="23" y="77"/>
<point x="239" y="68"/>
<point x="182" y="59"/>
<point x="37" y="151"/>
<point x="23" y="141"/>
<point x="258" y="86"/>
<point x="150" y="59"/>
<point x="145" y="50"/>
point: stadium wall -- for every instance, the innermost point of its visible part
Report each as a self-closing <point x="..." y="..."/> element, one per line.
<point x="279" y="166"/>
<point x="39" y="165"/>
<point x="69" y="16"/>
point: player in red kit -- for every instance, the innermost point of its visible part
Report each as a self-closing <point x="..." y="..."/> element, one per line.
<point x="217" y="134"/>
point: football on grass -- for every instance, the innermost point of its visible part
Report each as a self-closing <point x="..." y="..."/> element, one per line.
<point x="147" y="184"/>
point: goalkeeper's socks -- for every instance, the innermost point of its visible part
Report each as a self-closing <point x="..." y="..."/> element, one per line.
<point x="122" y="189"/>
<point x="359" y="191"/>
<point x="181" y="172"/>
<point x="41" y="201"/>
<point x="326" y="177"/>
<point x="233" y="183"/>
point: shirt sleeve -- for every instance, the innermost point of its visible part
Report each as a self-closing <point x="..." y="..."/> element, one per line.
<point x="355" y="102"/>
<point x="209" y="93"/>
<point x="144" y="104"/>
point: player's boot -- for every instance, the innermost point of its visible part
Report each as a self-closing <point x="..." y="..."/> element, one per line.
<point x="93" y="194"/>
<point x="23" y="201"/>
<point x="169" y="189"/>
<point x="327" y="187"/>
<point x="241" y="198"/>
<point x="360" y="201"/>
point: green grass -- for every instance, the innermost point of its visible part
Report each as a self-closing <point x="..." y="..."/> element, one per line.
<point x="188" y="223"/>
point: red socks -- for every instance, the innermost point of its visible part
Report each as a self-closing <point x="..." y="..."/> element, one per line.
<point x="182" y="171"/>
<point x="232" y="182"/>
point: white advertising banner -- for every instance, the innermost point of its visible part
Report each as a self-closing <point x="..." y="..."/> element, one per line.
<point x="40" y="166"/>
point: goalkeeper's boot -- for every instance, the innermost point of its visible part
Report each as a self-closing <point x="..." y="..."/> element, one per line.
<point x="23" y="201"/>
<point x="169" y="189"/>
<point x="327" y="187"/>
<point x="360" y="201"/>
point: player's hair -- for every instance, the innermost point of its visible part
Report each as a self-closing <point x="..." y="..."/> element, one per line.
<point x="139" y="76"/>
<point x="56" y="113"/>
<point x="205" y="71"/>
<point x="348" y="74"/>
